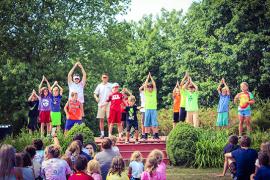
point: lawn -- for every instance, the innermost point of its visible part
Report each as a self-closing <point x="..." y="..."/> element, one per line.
<point x="179" y="173"/>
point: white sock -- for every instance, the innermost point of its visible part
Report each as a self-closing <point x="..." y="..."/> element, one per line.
<point x="102" y="133"/>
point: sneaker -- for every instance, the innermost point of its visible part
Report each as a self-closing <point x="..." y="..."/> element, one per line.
<point x="126" y="142"/>
<point x="101" y="136"/>
<point x="137" y="142"/>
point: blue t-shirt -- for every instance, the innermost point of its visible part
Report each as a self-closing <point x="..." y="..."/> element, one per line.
<point x="230" y="147"/>
<point x="263" y="173"/>
<point x="55" y="103"/>
<point x="245" y="162"/>
<point x="223" y="104"/>
<point x="137" y="169"/>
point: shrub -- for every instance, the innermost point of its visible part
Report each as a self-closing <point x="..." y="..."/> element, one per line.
<point x="181" y="144"/>
<point x="165" y="121"/>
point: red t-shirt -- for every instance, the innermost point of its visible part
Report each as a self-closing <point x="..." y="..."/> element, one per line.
<point x="80" y="176"/>
<point x="116" y="100"/>
<point x="74" y="110"/>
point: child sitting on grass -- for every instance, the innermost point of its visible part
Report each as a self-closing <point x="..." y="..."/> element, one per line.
<point x="117" y="171"/>
<point x="135" y="166"/>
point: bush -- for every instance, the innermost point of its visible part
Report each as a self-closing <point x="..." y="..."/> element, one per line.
<point x="261" y="115"/>
<point x="181" y="144"/>
<point x="165" y="121"/>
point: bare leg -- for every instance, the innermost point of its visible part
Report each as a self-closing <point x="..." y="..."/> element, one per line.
<point x="189" y="118"/>
<point x="119" y="127"/>
<point x="83" y="110"/>
<point x="110" y="129"/>
<point x="247" y="120"/>
<point x="127" y="136"/>
<point x="58" y="128"/>
<point x="136" y="135"/>
<point x="48" y="128"/>
<point x="101" y="124"/>
<point x="42" y="129"/>
<point x="195" y="119"/>
<point x="241" y="120"/>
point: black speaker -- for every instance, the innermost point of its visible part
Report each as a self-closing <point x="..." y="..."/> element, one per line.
<point x="5" y="129"/>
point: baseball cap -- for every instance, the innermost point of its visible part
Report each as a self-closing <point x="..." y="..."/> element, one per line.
<point x="115" y="85"/>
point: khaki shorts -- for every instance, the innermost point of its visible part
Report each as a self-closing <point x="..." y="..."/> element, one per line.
<point x="105" y="110"/>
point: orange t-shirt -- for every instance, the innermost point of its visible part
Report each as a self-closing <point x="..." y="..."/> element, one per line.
<point x="176" y="102"/>
<point x="74" y="110"/>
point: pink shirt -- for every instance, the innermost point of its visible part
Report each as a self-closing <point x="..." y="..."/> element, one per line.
<point x="155" y="176"/>
<point x="162" y="170"/>
<point x="96" y="176"/>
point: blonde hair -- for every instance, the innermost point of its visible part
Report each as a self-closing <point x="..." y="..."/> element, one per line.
<point x="136" y="156"/>
<point x="157" y="154"/>
<point x="73" y="94"/>
<point x="117" y="166"/>
<point x="74" y="148"/>
<point x="132" y="98"/>
<point x="245" y="83"/>
<point x="93" y="166"/>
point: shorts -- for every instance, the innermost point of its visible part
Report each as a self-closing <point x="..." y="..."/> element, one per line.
<point x="244" y="113"/>
<point x="150" y="118"/>
<point x="175" y="117"/>
<point x="223" y="119"/>
<point x="123" y="116"/>
<point x="56" y="118"/>
<point x="132" y="123"/>
<point x="115" y="116"/>
<point x="44" y="116"/>
<point x="70" y="123"/>
<point x="143" y="117"/>
<point x="32" y="123"/>
<point x="182" y="114"/>
<point x="104" y="111"/>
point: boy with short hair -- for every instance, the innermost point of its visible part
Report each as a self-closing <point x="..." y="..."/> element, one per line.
<point x="73" y="110"/>
<point x="150" y="93"/>
<point x="55" y="107"/>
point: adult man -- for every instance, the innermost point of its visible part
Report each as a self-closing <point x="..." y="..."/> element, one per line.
<point x="75" y="84"/>
<point x="101" y="94"/>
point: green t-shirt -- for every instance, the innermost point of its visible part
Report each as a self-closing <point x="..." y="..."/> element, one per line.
<point x="192" y="101"/>
<point x="183" y="94"/>
<point x="150" y="99"/>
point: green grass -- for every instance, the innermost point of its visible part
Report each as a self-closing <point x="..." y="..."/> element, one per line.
<point x="179" y="173"/>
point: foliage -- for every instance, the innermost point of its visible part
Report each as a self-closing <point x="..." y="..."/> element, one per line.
<point x="181" y="144"/>
<point x="165" y="121"/>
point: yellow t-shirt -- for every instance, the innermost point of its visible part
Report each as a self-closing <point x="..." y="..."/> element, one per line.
<point x="117" y="177"/>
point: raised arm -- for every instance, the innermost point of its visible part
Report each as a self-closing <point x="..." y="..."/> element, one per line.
<point x="226" y="86"/>
<point x="236" y="98"/>
<point x="125" y="90"/>
<point x="40" y="85"/>
<point x="83" y="73"/>
<point x="32" y="94"/>
<point x="66" y="110"/>
<point x="141" y="88"/>
<point x="71" y="72"/>
<point x="61" y="89"/>
<point x="219" y="87"/>
<point x="146" y="82"/>
<point x="48" y="85"/>
<point x="196" y="87"/>
<point x="54" y="84"/>
<point x="184" y="78"/>
<point x="153" y="82"/>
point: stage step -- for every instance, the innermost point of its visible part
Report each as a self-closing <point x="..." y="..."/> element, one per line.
<point x="144" y="147"/>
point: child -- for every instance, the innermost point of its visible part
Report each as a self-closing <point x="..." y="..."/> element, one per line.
<point x="80" y="166"/>
<point x="116" y="99"/>
<point x="183" y="112"/>
<point x="93" y="169"/>
<point x="150" y="172"/>
<point x="38" y="158"/>
<point x="150" y="93"/>
<point x="246" y="99"/>
<point x="73" y="110"/>
<point x="23" y="160"/>
<point x="126" y="94"/>
<point x="55" y="107"/>
<point x="135" y="166"/>
<point x="264" y="171"/>
<point x="176" y="104"/>
<point x="114" y="147"/>
<point x="230" y="162"/>
<point x="44" y="106"/>
<point x="117" y="171"/>
<point x="132" y="120"/>
<point x="33" y="112"/>
<point x="223" y="104"/>
<point x="142" y="110"/>
<point x="192" y="102"/>
<point x="161" y="165"/>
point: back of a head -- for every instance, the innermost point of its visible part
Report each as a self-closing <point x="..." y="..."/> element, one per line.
<point x="19" y="159"/>
<point x="113" y="139"/>
<point x="75" y="147"/>
<point x="106" y="143"/>
<point x="80" y="163"/>
<point x="136" y="156"/>
<point x="245" y="141"/>
<point x="7" y="163"/>
<point x="117" y="166"/>
<point x="156" y="154"/>
<point x="53" y="151"/>
<point x="233" y="139"/>
<point x="38" y="144"/>
<point x="26" y="159"/>
<point x="151" y="164"/>
<point x="78" y="137"/>
<point x="31" y="150"/>
<point x="263" y="159"/>
<point x="93" y="166"/>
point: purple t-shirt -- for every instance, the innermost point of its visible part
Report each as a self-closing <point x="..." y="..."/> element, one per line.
<point x="155" y="176"/>
<point x="55" y="103"/>
<point x="45" y="103"/>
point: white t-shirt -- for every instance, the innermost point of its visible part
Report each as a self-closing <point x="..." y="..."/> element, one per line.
<point x="137" y="169"/>
<point x="37" y="161"/>
<point x="103" y="91"/>
<point x="73" y="87"/>
<point x="142" y="101"/>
